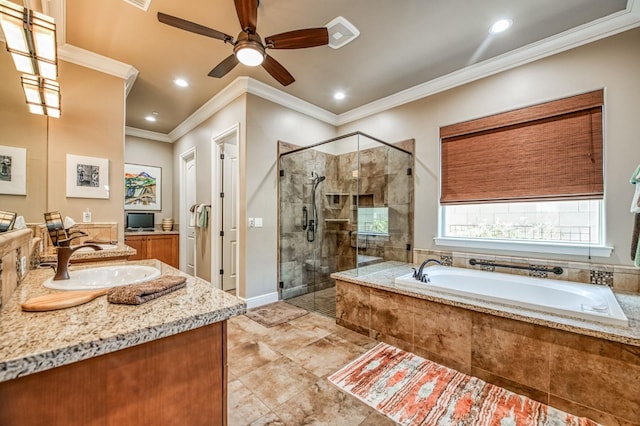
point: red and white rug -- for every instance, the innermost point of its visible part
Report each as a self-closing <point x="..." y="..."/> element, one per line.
<point x="414" y="391"/>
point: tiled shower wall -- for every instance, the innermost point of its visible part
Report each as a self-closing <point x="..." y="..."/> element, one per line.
<point x="620" y="278"/>
<point x="383" y="181"/>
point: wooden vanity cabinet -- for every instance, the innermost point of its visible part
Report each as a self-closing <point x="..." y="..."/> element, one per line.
<point x="164" y="247"/>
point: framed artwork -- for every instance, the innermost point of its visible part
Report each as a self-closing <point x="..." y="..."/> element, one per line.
<point x="13" y="170"/>
<point x="142" y="187"/>
<point x="87" y="177"/>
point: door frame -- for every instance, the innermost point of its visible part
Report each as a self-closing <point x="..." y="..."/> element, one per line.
<point x="232" y="132"/>
<point x="185" y="157"/>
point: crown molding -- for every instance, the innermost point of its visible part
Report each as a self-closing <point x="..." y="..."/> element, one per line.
<point x="87" y="59"/>
<point x="587" y="33"/>
<point x="279" y="97"/>
<point x="220" y="100"/>
<point x="147" y="134"/>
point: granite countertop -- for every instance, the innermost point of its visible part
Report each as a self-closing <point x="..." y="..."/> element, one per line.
<point x="122" y="250"/>
<point x="382" y="276"/>
<point x="37" y="341"/>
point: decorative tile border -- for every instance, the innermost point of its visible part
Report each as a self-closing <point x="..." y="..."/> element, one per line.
<point x="620" y="278"/>
<point x="601" y="278"/>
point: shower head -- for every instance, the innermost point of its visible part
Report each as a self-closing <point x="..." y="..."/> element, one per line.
<point x="321" y="178"/>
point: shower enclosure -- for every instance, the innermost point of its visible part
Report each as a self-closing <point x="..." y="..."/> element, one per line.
<point x="345" y="203"/>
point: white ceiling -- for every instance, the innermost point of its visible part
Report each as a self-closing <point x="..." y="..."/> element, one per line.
<point x="402" y="44"/>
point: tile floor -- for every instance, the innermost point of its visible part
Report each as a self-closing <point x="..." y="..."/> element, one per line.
<point x="278" y="375"/>
<point x="322" y="301"/>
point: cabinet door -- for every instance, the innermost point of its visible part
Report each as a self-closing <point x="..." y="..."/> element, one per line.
<point x="138" y="242"/>
<point x="164" y="248"/>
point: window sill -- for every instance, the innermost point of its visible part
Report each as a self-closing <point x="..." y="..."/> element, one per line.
<point x="526" y="246"/>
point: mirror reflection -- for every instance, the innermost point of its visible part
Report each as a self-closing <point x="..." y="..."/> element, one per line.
<point x="23" y="130"/>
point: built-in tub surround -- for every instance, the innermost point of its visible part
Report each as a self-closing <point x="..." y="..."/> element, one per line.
<point x="577" y="300"/>
<point x="582" y="367"/>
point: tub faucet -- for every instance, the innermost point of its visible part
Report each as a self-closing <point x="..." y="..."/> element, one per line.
<point x="64" y="253"/>
<point x="420" y="275"/>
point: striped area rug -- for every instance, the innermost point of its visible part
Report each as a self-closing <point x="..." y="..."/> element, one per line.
<point x="414" y="391"/>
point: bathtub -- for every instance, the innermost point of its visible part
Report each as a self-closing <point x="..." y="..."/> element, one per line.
<point x="584" y="301"/>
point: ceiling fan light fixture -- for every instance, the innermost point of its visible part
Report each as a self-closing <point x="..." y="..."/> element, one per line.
<point x="249" y="53"/>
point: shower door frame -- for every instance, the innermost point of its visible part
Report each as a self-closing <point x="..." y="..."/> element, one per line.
<point x="296" y="149"/>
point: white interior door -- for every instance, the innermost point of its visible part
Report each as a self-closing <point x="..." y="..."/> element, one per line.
<point x="229" y="203"/>
<point x="190" y="200"/>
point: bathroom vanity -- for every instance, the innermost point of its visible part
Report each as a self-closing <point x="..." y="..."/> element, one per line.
<point x="161" y="245"/>
<point x="161" y="362"/>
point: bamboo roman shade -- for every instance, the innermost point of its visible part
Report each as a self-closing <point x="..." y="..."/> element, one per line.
<point x="550" y="151"/>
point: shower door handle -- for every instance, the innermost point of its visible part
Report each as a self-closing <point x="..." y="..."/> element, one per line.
<point x="305" y="218"/>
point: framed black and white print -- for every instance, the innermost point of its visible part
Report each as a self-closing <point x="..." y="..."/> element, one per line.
<point x="13" y="170"/>
<point x="87" y="177"/>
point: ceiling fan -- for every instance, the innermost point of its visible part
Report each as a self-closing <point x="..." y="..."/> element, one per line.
<point x="248" y="47"/>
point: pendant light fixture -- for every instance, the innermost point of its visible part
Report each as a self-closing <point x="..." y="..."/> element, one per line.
<point x="30" y="38"/>
<point x="42" y="95"/>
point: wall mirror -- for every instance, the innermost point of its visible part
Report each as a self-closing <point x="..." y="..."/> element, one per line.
<point x="20" y="128"/>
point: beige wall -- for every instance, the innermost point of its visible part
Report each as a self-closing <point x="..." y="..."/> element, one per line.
<point x="157" y="154"/>
<point x="201" y="138"/>
<point x="267" y="123"/>
<point x="612" y="64"/>
<point x="92" y="124"/>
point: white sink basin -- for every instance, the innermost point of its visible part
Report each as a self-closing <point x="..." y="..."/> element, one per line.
<point x="104" y="277"/>
<point x="102" y="246"/>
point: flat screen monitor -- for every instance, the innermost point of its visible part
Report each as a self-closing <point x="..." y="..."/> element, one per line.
<point x="140" y="221"/>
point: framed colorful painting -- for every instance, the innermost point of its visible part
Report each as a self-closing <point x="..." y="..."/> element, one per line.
<point x="142" y="187"/>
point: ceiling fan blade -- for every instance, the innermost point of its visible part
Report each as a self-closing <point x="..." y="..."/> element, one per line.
<point x="298" y="39"/>
<point x="192" y="27"/>
<point x="277" y="71"/>
<point x="224" y="67"/>
<point x="247" y="14"/>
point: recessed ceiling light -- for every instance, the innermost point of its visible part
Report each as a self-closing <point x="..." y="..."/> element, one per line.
<point x="339" y="96"/>
<point x="500" y="26"/>
<point x="150" y="118"/>
<point x="181" y="82"/>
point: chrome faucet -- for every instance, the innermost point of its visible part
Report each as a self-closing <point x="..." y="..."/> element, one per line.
<point x="64" y="253"/>
<point x="420" y="275"/>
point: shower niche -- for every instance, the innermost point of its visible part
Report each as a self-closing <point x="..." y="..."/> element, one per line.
<point x="345" y="203"/>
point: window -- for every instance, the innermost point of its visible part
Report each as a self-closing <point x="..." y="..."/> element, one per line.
<point x="373" y="220"/>
<point x="530" y="175"/>
<point x="573" y="222"/>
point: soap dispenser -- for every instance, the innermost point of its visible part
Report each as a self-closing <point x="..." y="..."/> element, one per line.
<point x="86" y="216"/>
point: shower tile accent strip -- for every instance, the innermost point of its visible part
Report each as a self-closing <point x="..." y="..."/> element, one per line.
<point x="619" y="277"/>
